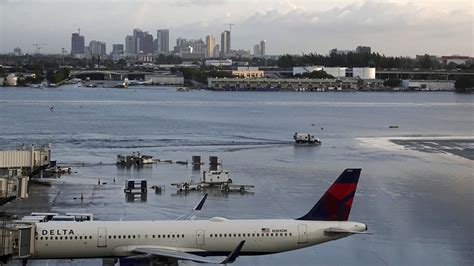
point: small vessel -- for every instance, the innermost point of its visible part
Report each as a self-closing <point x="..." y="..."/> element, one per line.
<point x="134" y="159"/>
<point x="394" y="126"/>
<point x="306" y="138"/>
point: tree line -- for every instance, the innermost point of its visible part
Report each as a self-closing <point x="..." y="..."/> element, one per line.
<point x="353" y="59"/>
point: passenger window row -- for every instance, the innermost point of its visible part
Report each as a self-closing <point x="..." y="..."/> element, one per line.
<point x="251" y="235"/>
<point x="146" y="236"/>
<point x="63" y="237"/>
<point x="163" y="236"/>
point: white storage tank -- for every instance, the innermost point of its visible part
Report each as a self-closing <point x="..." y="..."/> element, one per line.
<point x="11" y="80"/>
<point x="363" y="72"/>
<point x="337" y="72"/>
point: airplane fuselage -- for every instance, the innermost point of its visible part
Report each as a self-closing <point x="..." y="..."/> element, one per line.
<point x="218" y="236"/>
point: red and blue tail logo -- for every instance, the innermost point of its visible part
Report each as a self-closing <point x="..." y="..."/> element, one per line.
<point x="336" y="203"/>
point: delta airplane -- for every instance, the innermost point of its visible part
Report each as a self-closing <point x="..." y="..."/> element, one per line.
<point x="196" y="240"/>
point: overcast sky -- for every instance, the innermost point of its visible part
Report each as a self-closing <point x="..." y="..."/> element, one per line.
<point x="289" y="26"/>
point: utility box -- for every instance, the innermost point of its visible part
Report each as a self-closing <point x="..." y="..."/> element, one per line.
<point x="216" y="177"/>
<point x="135" y="186"/>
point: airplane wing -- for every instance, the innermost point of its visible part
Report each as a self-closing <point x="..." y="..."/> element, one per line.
<point x="191" y="215"/>
<point x="180" y="255"/>
<point x="335" y="230"/>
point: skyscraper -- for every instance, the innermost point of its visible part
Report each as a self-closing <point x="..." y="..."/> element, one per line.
<point x="210" y="45"/>
<point x="363" y="50"/>
<point x="225" y="43"/>
<point x="130" y="45"/>
<point x="256" y="50"/>
<point x="97" y="48"/>
<point x="199" y="47"/>
<point x="216" y="51"/>
<point x="117" y="48"/>
<point x="138" y="35"/>
<point x="77" y="45"/>
<point x="147" y="43"/>
<point x="163" y="41"/>
<point x="262" y="47"/>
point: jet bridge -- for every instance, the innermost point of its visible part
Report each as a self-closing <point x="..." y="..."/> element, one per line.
<point x="16" y="239"/>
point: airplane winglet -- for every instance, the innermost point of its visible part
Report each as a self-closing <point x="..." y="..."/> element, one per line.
<point x="201" y="203"/>
<point x="234" y="254"/>
<point x="192" y="214"/>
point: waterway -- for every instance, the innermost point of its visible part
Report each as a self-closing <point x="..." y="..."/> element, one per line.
<point x="415" y="193"/>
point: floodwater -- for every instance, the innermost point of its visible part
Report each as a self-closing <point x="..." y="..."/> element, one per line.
<point x="416" y="200"/>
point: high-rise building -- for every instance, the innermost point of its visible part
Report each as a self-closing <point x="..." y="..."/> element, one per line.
<point x="97" y="48"/>
<point x="130" y="47"/>
<point x="199" y="47"/>
<point x="117" y="52"/>
<point x="210" y="45"/>
<point x="117" y="48"/>
<point x="256" y="50"/>
<point x="147" y="43"/>
<point x="262" y="47"/>
<point x="216" y="50"/>
<point x="163" y="41"/>
<point x="77" y="45"/>
<point x="17" y="51"/>
<point x="363" y="50"/>
<point x="138" y="35"/>
<point x="225" y="43"/>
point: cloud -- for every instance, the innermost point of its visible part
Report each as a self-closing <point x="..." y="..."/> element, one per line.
<point x="197" y="2"/>
<point x="289" y="26"/>
<point x="402" y="29"/>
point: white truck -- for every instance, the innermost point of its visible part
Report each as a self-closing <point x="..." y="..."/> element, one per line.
<point x="306" y="138"/>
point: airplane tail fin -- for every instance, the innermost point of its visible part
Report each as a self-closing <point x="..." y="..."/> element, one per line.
<point x="336" y="203"/>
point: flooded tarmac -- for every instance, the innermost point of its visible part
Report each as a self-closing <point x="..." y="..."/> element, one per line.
<point x="416" y="189"/>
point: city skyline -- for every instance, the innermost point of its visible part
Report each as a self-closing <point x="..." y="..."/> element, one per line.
<point x="399" y="28"/>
